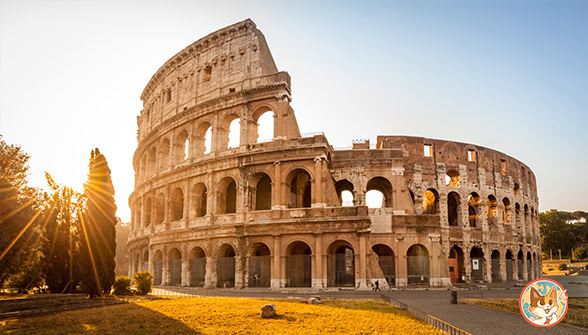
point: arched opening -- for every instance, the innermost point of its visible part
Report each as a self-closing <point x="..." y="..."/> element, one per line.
<point x="160" y="209"/>
<point x="225" y="267"/>
<point x="177" y="205"/>
<point x="452" y="178"/>
<point x="492" y="209"/>
<point x="506" y="209"/>
<point x="529" y="267"/>
<point x="230" y="132"/>
<point x="509" y="267"/>
<point x="151" y="161"/>
<point x="300" y="189"/>
<point x="456" y="269"/>
<point x="382" y="186"/>
<point x="260" y="266"/>
<point x="340" y="265"/>
<point x="164" y="154"/>
<point x="386" y="260"/>
<point x="495" y="266"/>
<point x="345" y="192"/>
<point x="147" y="218"/>
<point x="142" y="168"/>
<point x="227" y="199"/>
<point x="175" y="267"/>
<point x="199" y="200"/>
<point x="520" y="264"/>
<point x="417" y="265"/>
<point x="234" y="134"/>
<point x="517" y="216"/>
<point x="136" y="262"/>
<point x="516" y="189"/>
<point x="265" y="125"/>
<point x="430" y="202"/>
<point x="158" y="269"/>
<point x="535" y="266"/>
<point x="263" y="192"/>
<point x="146" y="260"/>
<point x="181" y="147"/>
<point x="298" y="265"/>
<point x="453" y="208"/>
<point x="477" y="259"/>
<point x="197" y="267"/>
<point x="202" y="139"/>
<point x="473" y="208"/>
<point x="525" y="218"/>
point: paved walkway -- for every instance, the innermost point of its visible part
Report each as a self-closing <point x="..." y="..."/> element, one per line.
<point x="477" y="319"/>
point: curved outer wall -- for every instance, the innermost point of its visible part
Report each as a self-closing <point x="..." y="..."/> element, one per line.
<point x="271" y="214"/>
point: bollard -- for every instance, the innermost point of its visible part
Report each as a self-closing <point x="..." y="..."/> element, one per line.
<point x="454" y="297"/>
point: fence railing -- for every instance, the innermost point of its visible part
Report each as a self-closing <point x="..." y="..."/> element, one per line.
<point x="433" y="321"/>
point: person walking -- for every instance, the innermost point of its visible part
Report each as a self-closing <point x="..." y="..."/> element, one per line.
<point x="377" y="286"/>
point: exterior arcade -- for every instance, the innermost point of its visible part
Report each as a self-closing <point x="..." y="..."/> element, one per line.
<point x="214" y="206"/>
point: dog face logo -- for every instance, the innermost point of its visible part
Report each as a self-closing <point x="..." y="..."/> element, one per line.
<point x="543" y="303"/>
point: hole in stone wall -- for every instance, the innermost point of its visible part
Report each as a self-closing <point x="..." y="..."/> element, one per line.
<point x="374" y="199"/>
<point x="207" y="73"/>
<point x="453" y="208"/>
<point x="265" y="127"/>
<point x="177" y="205"/>
<point x="234" y="133"/>
<point x="471" y="155"/>
<point x="347" y="199"/>
<point x="492" y="206"/>
<point x="452" y="178"/>
<point x="503" y="167"/>
<point x="430" y="202"/>
<point x="428" y="150"/>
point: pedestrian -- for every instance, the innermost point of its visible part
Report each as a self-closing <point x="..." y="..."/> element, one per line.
<point x="377" y="286"/>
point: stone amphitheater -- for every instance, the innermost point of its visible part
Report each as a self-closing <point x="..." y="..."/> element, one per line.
<point x="215" y="205"/>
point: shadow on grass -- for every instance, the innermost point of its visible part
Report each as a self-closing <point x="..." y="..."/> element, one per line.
<point x="117" y="319"/>
<point x="366" y="305"/>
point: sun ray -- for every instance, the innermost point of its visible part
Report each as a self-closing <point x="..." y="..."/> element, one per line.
<point x="22" y="231"/>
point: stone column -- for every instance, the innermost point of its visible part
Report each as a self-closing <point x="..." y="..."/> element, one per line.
<point x="318" y="275"/>
<point x="277" y="187"/>
<point x="239" y="272"/>
<point x="317" y="200"/>
<point x="487" y="266"/>
<point x="210" y="195"/>
<point x="515" y="269"/>
<point x="467" y="264"/>
<point x="210" y="276"/>
<point x="363" y="249"/>
<point x="185" y="272"/>
<point x="166" y="273"/>
<point x="276" y="271"/>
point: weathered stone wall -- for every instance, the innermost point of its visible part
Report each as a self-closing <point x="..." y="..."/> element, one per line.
<point x="271" y="213"/>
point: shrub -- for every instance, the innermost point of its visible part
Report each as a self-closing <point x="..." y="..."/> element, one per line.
<point x="143" y="282"/>
<point x="122" y="285"/>
<point x="580" y="253"/>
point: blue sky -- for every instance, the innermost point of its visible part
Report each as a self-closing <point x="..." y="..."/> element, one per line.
<point x="509" y="75"/>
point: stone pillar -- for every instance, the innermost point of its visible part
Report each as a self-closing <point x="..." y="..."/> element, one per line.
<point x="467" y="264"/>
<point x="187" y="203"/>
<point x="276" y="271"/>
<point x="185" y="272"/>
<point x="525" y="264"/>
<point x="318" y="280"/>
<point x="361" y="282"/>
<point x="443" y="215"/>
<point x="317" y="189"/>
<point x="277" y="187"/>
<point x="503" y="275"/>
<point x="487" y="266"/>
<point x="166" y="273"/>
<point x="131" y="264"/>
<point x="515" y="269"/>
<point x="210" y="195"/>
<point x="150" y="263"/>
<point x="239" y="272"/>
<point x="210" y="276"/>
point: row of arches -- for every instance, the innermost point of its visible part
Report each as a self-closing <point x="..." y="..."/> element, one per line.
<point x="475" y="207"/>
<point x="189" y="142"/>
<point x="341" y="265"/>
<point x="155" y="208"/>
<point x="514" y="268"/>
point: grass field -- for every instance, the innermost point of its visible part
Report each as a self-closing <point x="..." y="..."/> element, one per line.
<point x="576" y="306"/>
<point x="225" y="316"/>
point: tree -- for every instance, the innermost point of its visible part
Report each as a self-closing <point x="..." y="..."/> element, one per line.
<point x="98" y="234"/>
<point x="20" y="214"/>
<point x="61" y="243"/>
<point x="556" y="232"/>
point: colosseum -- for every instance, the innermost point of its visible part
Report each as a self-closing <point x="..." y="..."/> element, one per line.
<point x="215" y="205"/>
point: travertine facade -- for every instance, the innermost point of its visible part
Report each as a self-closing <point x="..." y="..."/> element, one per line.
<point x="271" y="213"/>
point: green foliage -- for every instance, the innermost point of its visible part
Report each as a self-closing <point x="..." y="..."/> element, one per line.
<point x="98" y="247"/>
<point x="556" y="232"/>
<point x="61" y="243"/>
<point x="580" y="253"/>
<point x="30" y="274"/>
<point x="143" y="282"/>
<point x="20" y="213"/>
<point x="122" y="285"/>
<point x="122" y="256"/>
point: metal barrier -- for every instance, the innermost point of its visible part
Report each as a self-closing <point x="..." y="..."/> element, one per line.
<point x="433" y="321"/>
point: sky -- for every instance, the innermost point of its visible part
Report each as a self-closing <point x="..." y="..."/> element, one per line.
<point x="508" y="75"/>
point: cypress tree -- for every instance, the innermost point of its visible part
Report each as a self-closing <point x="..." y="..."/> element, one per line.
<point x="98" y="234"/>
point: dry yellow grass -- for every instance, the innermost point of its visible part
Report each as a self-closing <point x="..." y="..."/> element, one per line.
<point x="225" y="316"/>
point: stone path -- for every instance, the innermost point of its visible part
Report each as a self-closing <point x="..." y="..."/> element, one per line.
<point x="477" y="319"/>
